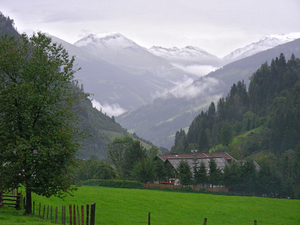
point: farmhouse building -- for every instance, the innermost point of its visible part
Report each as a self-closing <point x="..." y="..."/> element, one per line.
<point x="221" y="159"/>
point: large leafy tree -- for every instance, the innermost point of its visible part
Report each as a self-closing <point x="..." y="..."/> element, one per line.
<point x="124" y="153"/>
<point x="93" y="169"/>
<point x="38" y="134"/>
<point x="144" y="171"/>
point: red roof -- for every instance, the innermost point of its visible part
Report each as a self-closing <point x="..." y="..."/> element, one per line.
<point x="201" y="155"/>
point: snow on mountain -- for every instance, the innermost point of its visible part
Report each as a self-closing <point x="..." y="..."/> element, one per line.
<point x="189" y="55"/>
<point x="119" y="50"/>
<point x="267" y="42"/>
<point x="113" y="40"/>
<point x="108" y="46"/>
<point x="190" y="59"/>
<point x="125" y="53"/>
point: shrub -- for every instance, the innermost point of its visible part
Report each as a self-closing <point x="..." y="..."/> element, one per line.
<point x="113" y="183"/>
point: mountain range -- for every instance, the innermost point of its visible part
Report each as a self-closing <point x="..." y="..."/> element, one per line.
<point x="160" y="120"/>
<point x="155" y="88"/>
<point x="120" y="74"/>
<point x="265" y="43"/>
<point x="188" y="56"/>
<point x="191" y="55"/>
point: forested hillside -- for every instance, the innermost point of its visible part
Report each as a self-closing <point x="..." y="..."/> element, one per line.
<point x="270" y="108"/>
<point x="261" y="124"/>
<point x="7" y="26"/>
<point x="102" y="130"/>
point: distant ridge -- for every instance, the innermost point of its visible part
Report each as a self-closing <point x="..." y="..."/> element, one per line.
<point x="188" y="55"/>
<point x="265" y="43"/>
<point x="159" y="121"/>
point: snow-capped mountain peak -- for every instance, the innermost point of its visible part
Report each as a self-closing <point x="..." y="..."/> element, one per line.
<point x="187" y="55"/>
<point x="188" y="52"/>
<point x="265" y="43"/>
<point x="111" y="40"/>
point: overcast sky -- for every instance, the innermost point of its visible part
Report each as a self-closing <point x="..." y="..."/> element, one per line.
<point x="217" y="26"/>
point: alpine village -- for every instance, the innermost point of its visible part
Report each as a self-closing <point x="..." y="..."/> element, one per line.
<point x="230" y="156"/>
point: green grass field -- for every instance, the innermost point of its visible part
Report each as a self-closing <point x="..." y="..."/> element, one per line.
<point x="131" y="206"/>
<point x="10" y="216"/>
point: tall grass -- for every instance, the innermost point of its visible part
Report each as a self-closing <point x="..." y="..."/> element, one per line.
<point x="131" y="206"/>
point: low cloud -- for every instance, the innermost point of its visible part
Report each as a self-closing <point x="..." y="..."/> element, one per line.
<point x="198" y="70"/>
<point x="110" y="110"/>
<point x="204" y="87"/>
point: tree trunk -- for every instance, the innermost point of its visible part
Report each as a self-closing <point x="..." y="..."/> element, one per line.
<point x="28" y="209"/>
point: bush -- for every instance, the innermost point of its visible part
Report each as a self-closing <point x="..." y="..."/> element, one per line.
<point x="113" y="183"/>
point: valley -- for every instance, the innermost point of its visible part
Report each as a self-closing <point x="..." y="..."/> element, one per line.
<point x="152" y="92"/>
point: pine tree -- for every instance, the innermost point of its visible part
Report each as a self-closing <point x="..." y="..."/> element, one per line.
<point x="214" y="173"/>
<point x="185" y="173"/>
<point x="200" y="174"/>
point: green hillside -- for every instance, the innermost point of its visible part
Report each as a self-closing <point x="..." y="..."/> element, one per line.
<point x="102" y="130"/>
<point x="261" y="124"/>
<point x="266" y="115"/>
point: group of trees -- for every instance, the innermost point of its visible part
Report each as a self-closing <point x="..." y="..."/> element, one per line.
<point x="7" y="26"/>
<point x="93" y="169"/>
<point x="198" y="175"/>
<point x="272" y="178"/>
<point x="132" y="161"/>
<point x="271" y="103"/>
<point x="268" y="111"/>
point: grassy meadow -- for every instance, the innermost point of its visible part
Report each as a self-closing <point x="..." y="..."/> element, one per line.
<point x="10" y="216"/>
<point x="131" y="206"/>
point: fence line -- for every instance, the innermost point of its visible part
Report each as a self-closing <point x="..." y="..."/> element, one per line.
<point x="76" y="217"/>
<point x="90" y="212"/>
<point x="13" y="199"/>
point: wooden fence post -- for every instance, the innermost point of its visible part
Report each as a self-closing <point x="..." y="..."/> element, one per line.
<point x="39" y="209"/>
<point x="87" y="214"/>
<point x="255" y="222"/>
<point x="51" y="213"/>
<point x="93" y="211"/>
<point x="82" y="215"/>
<point x="205" y="220"/>
<point x="70" y="210"/>
<point x="18" y="202"/>
<point x="33" y="208"/>
<point x="47" y="212"/>
<point x="56" y="214"/>
<point x="62" y="214"/>
<point x="148" y="218"/>
<point x="74" y="214"/>
<point x="65" y="219"/>
<point x="44" y="212"/>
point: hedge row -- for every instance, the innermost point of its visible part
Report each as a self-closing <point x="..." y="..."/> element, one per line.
<point x="113" y="183"/>
<point x="139" y="185"/>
